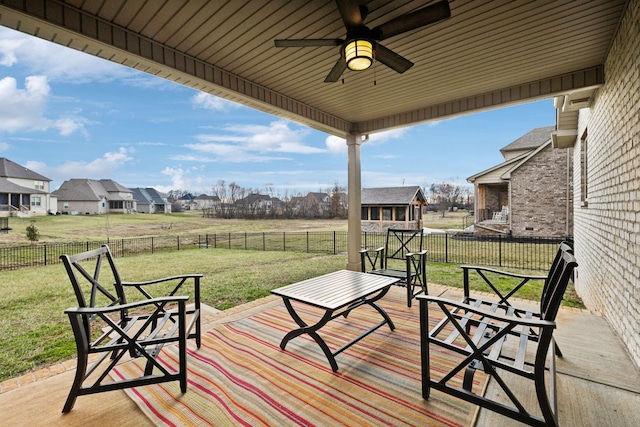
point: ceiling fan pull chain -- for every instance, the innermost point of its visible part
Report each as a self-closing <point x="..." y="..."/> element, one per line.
<point x="375" y="75"/>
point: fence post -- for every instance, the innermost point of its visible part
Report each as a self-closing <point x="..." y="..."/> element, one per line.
<point x="334" y="243"/>
<point x="446" y="247"/>
<point x="307" y="242"/>
<point x="500" y="251"/>
<point x="284" y="241"/>
<point x="45" y="254"/>
<point x="152" y="248"/>
<point x="245" y="240"/>
<point x="264" y="245"/>
<point x="178" y="240"/>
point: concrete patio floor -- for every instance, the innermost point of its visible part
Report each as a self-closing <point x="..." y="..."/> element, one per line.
<point x="598" y="384"/>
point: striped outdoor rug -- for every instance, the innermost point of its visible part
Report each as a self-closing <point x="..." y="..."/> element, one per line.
<point x="240" y="376"/>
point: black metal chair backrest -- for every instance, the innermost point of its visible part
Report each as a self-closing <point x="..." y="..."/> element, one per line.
<point x="560" y="274"/>
<point x="401" y="242"/>
<point x="102" y="291"/>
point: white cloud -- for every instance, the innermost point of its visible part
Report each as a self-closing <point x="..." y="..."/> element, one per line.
<point x="23" y="109"/>
<point x="4" y="146"/>
<point x="103" y="167"/>
<point x="8" y="48"/>
<point x="58" y="63"/>
<point x="339" y="145"/>
<point x="252" y="143"/>
<point x="336" y="144"/>
<point x="211" y="102"/>
<point x="181" y="179"/>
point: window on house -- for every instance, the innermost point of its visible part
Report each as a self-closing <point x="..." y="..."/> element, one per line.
<point x="583" y="170"/>
<point x="386" y="214"/>
<point x="400" y="213"/>
<point x="375" y="213"/>
<point x="364" y="213"/>
<point x="36" y="201"/>
<point x="39" y="185"/>
<point x="65" y="205"/>
<point x="116" y="204"/>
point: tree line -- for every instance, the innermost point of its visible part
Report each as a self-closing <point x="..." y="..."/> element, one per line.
<point x="231" y="200"/>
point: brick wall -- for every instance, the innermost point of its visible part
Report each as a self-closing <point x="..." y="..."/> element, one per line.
<point x="607" y="229"/>
<point x="541" y="201"/>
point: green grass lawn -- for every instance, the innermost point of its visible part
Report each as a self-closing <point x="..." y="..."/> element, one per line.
<point x="36" y="332"/>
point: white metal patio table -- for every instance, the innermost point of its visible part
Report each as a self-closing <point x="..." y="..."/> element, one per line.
<point x="337" y="293"/>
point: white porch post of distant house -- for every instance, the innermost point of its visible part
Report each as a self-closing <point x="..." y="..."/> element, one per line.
<point x="354" y="190"/>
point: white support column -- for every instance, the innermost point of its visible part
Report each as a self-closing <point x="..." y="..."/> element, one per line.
<point x="354" y="190"/>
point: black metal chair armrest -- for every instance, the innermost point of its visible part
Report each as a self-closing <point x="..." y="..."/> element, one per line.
<point x="164" y="279"/>
<point x="417" y="254"/>
<point x="467" y="308"/>
<point x="501" y="272"/>
<point x="365" y="250"/>
<point x="524" y="278"/>
<point x="127" y="306"/>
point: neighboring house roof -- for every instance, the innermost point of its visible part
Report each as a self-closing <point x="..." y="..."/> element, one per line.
<point x="155" y="195"/>
<point x="7" y="186"/>
<point x="516" y="153"/>
<point x="253" y="198"/>
<point x="113" y="187"/>
<point x="207" y="197"/>
<point x="82" y="189"/>
<point x="9" y="169"/>
<point x="147" y="196"/>
<point x="320" y="197"/>
<point x="391" y="195"/>
<point x="529" y="141"/>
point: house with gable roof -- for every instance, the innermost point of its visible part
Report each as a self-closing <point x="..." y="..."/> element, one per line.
<point x="530" y="193"/>
<point x="90" y="196"/>
<point x="149" y="200"/>
<point x="23" y="191"/>
<point x="392" y="207"/>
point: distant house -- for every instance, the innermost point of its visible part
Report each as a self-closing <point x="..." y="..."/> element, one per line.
<point x="204" y="201"/>
<point x="392" y="207"/>
<point x="90" y="196"/>
<point x="23" y="191"/>
<point x="254" y="202"/>
<point x="530" y="193"/>
<point x="149" y="200"/>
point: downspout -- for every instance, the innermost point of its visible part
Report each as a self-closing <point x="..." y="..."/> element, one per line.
<point x="567" y="204"/>
<point x="354" y="189"/>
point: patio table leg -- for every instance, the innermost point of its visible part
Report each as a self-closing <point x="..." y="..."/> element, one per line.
<point x="311" y="330"/>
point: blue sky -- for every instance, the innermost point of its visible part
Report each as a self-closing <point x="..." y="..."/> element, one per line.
<point x="67" y="115"/>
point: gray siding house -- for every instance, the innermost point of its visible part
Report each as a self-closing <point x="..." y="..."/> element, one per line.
<point x="148" y="200"/>
<point x="90" y="196"/>
<point x="392" y="207"/>
<point x="22" y="191"/>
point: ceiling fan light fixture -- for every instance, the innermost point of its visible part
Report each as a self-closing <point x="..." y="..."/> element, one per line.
<point x="359" y="54"/>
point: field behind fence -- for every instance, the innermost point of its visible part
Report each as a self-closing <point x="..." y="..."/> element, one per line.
<point x="533" y="253"/>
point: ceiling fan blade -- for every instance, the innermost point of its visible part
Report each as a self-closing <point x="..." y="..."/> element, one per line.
<point x="336" y="71"/>
<point x="350" y="12"/>
<point x="421" y="17"/>
<point x="392" y="59"/>
<point x="307" y="42"/>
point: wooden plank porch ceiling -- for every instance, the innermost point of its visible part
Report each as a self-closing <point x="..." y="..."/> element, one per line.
<point x="490" y="53"/>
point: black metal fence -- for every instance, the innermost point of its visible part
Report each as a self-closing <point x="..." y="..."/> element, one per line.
<point x="529" y="253"/>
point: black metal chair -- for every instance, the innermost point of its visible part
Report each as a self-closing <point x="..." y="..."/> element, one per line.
<point x="402" y="257"/>
<point x="107" y="325"/>
<point x="495" y="336"/>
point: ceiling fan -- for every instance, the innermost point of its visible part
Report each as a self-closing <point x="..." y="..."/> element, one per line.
<point x="361" y="47"/>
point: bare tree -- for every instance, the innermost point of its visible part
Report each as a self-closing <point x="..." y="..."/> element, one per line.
<point x="445" y="195"/>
